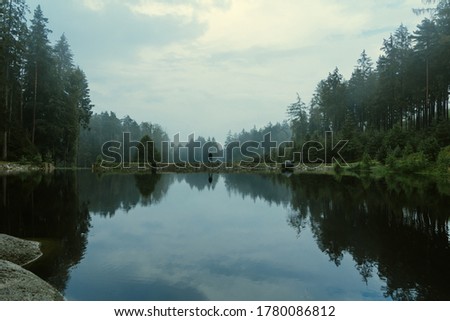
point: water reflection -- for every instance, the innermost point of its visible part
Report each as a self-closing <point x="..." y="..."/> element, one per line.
<point x="398" y="229"/>
<point x="47" y="208"/>
<point x="107" y="194"/>
<point x="395" y="231"/>
<point x="274" y="189"/>
<point x="200" y="182"/>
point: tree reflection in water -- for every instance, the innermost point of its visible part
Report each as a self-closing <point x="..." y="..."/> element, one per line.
<point x="397" y="228"/>
<point x="47" y="208"/>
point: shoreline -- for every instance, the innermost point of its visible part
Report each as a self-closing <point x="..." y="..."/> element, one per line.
<point x="354" y="169"/>
<point x="13" y="168"/>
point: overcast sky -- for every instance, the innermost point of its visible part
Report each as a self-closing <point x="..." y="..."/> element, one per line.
<point x="208" y="66"/>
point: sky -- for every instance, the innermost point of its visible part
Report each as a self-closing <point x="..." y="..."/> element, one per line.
<point x="210" y="66"/>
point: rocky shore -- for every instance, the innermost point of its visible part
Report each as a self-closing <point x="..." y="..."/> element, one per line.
<point x="17" y="283"/>
<point x="16" y="168"/>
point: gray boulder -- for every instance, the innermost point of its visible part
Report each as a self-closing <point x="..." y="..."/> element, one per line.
<point x="18" y="251"/>
<point x="18" y="284"/>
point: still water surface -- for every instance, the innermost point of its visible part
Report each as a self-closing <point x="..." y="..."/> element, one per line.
<point x="233" y="237"/>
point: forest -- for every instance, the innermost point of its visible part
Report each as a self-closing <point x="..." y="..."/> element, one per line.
<point x="44" y="95"/>
<point x="392" y="111"/>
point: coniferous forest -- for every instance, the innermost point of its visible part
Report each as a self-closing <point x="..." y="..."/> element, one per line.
<point x="392" y="110"/>
<point x="46" y="112"/>
<point x="44" y="94"/>
<point x="341" y="195"/>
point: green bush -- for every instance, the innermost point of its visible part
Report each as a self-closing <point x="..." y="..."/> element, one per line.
<point x="36" y="159"/>
<point x="411" y="163"/>
<point x="414" y="162"/>
<point x="395" y="137"/>
<point x="443" y="160"/>
<point x="366" y="162"/>
<point x="430" y="148"/>
<point x="408" y="150"/>
<point x="23" y="160"/>
<point x="391" y="160"/>
<point x="381" y="154"/>
<point x="48" y="157"/>
<point x="397" y="152"/>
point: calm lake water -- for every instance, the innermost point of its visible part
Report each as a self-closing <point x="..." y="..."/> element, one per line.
<point x="233" y="236"/>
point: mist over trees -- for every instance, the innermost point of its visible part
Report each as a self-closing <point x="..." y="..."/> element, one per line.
<point x="44" y="95"/>
<point x="390" y="108"/>
<point x="279" y="133"/>
<point x="400" y="101"/>
<point x="106" y="127"/>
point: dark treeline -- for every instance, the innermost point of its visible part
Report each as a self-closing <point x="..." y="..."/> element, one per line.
<point x="44" y="96"/>
<point x="394" y="110"/>
<point x="401" y="101"/>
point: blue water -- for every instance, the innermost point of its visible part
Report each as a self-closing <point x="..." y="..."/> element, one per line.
<point x="233" y="236"/>
<point x="210" y="244"/>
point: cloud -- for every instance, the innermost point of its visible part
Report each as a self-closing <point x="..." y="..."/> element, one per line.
<point x="94" y="5"/>
<point x="181" y="8"/>
<point x="268" y="24"/>
<point x="212" y="65"/>
<point x="152" y="8"/>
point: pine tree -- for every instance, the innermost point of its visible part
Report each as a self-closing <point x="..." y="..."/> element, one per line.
<point x="39" y="84"/>
<point x="13" y="31"/>
<point x="299" y="120"/>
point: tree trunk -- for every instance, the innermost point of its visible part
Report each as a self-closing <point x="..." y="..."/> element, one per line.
<point x="5" y="129"/>
<point x="33" y="131"/>
<point x="5" y="145"/>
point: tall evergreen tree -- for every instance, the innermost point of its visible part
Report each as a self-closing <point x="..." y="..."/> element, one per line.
<point x="40" y="82"/>
<point x="360" y="88"/>
<point x="13" y="31"/>
<point x="297" y="113"/>
<point x="332" y="100"/>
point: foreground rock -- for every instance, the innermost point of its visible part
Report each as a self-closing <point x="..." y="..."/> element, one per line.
<point x="18" y="284"/>
<point x="17" y="250"/>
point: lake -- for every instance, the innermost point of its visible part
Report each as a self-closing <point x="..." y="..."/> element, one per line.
<point x="233" y="236"/>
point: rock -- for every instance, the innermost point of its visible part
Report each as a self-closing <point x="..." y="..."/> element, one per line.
<point x="18" y="284"/>
<point x="16" y="168"/>
<point x="18" y="251"/>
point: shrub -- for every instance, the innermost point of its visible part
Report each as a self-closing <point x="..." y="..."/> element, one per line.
<point x="37" y="158"/>
<point x="391" y="160"/>
<point x="443" y="160"/>
<point x="430" y="148"/>
<point x="381" y="154"/>
<point x="414" y="162"/>
<point x="365" y="162"/>
<point x="48" y="157"/>
<point x="98" y="160"/>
